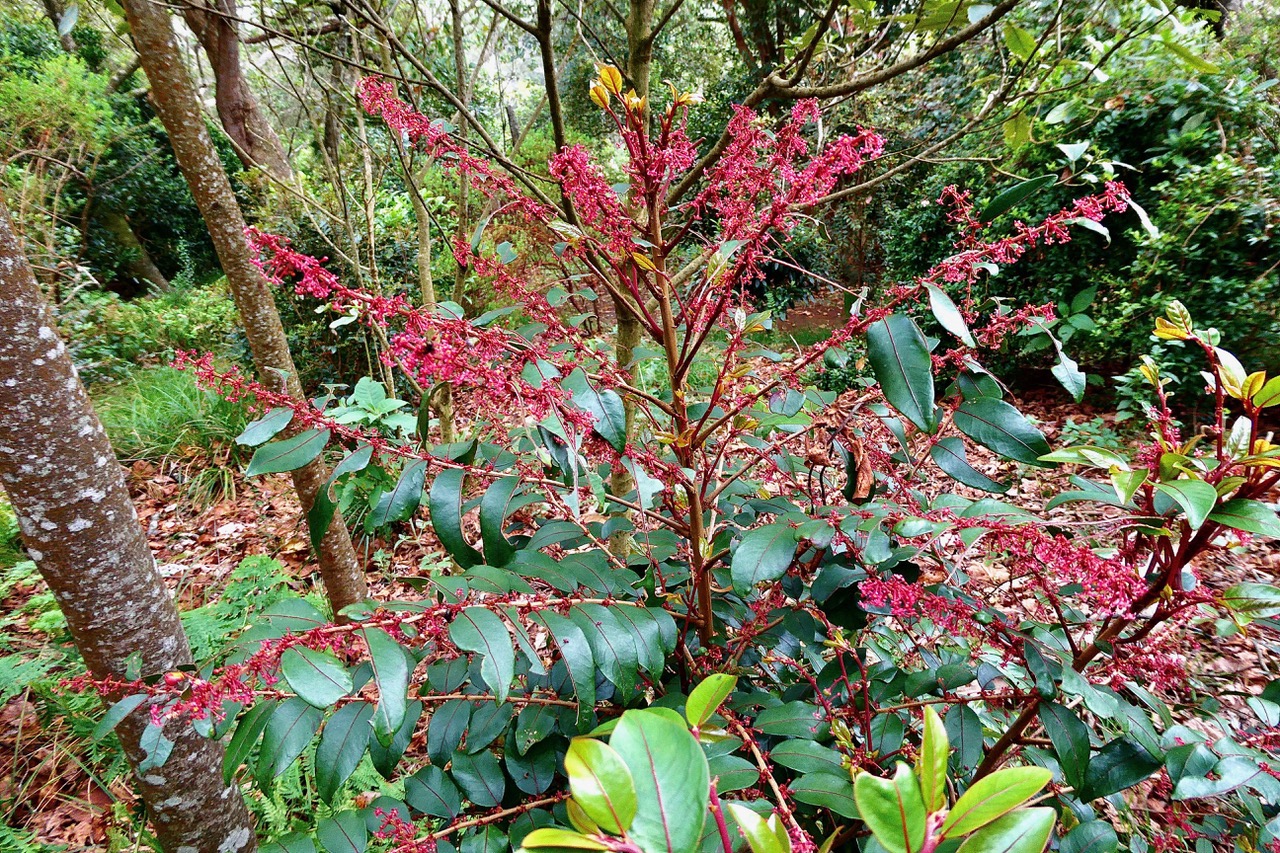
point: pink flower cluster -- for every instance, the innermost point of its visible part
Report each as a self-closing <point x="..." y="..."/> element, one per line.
<point x="1108" y="586"/>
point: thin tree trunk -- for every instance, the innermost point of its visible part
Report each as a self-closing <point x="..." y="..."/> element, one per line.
<point x="141" y="266"/>
<point x="80" y="527"/>
<point x="639" y="65"/>
<point x="175" y="102"/>
<point x="239" y="112"/>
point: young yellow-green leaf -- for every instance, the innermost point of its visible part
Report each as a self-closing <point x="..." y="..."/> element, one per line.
<point x="706" y="698"/>
<point x="935" y="749"/>
<point x="902" y="366"/>
<point x="1022" y="831"/>
<point x="601" y="784"/>
<point x="761" y="833"/>
<point x="1256" y="600"/>
<point x="318" y="677"/>
<point x="672" y="780"/>
<point x="478" y="630"/>
<point x="550" y="836"/>
<point x="1020" y="42"/>
<point x="893" y="809"/>
<point x="993" y="796"/>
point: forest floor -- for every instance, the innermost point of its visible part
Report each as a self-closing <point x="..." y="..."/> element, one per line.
<point x="48" y="787"/>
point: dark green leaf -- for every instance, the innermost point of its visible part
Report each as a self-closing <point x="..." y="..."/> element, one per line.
<point x="1070" y="741"/>
<point x="1000" y="427"/>
<point x="612" y="646"/>
<point x="1011" y="197"/>
<point x="1120" y="764"/>
<point x="806" y="756"/>
<point x="288" y="454"/>
<point x="247" y="733"/>
<point x="265" y="427"/>
<point x="288" y="732"/>
<point x="949" y="455"/>
<point x="345" y="832"/>
<point x="391" y="675"/>
<point x="447" y="728"/>
<point x="1196" y="498"/>
<point x="1094" y="836"/>
<point x="793" y="719"/>
<point x="827" y="791"/>
<point x="1249" y="516"/>
<point x="116" y="713"/>
<point x="493" y="513"/>
<point x="318" y="677"/>
<point x="948" y="315"/>
<point x="431" y="792"/>
<point x="576" y="653"/>
<point x="342" y="745"/>
<point x="445" y="505"/>
<point x="399" y="502"/>
<point x="764" y="554"/>
<point x="903" y="368"/>
<point x="480" y="777"/>
<point x="479" y="630"/>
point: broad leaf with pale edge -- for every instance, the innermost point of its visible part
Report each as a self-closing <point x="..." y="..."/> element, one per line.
<point x="478" y="630"/>
<point x="318" y="677"/>
<point x="707" y="697"/>
<point x="601" y="784"/>
<point x="948" y="315"/>
<point x="893" y="809"/>
<point x="1000" y="427"/>
<point x="288" y="454"/>
<point x="391" y="675"/>
<point x="671" y="778"/>
<point x="1256" y="600"/>
<point x="265" y="427"/>
<point x="764" y="554"/>
<point x="1023" y="831"/>
<point x="993" y="796"/>
<point x="902" y="366"/>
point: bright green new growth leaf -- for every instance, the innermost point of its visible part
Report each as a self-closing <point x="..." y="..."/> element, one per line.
<point x="764" y="554"/>
<point x="601" y="784"/>
<point x="553" y="837"/>
<point x="993" y="796"/>
<point x="705" y="699"/>
<point x="1022" y="831"/>
<point x="764" y="835"/>
<point x="893" y="809"/>
<point x="935" y="749"/>
<point x="902" y="366"/>
<point x="478" y="630"/>
<point x="318" y="677"/>
<point x="672" y="780"/>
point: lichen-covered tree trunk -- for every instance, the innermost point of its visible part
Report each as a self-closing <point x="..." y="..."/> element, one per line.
<point x="80" y="527"/>
<point x="174" y="98"/>
<point x="241" y="115"/>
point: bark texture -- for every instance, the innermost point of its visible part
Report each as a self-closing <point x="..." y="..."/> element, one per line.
<point x="174" y="98"/>
<point x="80" y="527"/>
<point x="255" y="140"/>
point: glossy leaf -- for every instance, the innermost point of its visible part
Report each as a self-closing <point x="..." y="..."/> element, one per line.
<point x="493" y="514"/>
<point x="343" y="743"/>
<point x="601" y="783"/>
<point x="400" y="501"/>
<point x="672" y="781"/>
<point x="1120" y="764"/>
<point x="391" y="676"/>
<point x="1093" y="836"/>
<point x="764" y="554"/>
<point x="288" y="454"/>
<point x="1022" y="831"/>
<point x="705" y="699"/>
<point x="247" y="733"/>
<point x="431" y="792"/>
<point x="764" y="835"/>
<point x="480" y="777"/>
<point x="318" y="677"/>
<point x="893" y="809"/>
<point x="807" y="756"/>
<point x="478" y="630"/>
<point x="1015" y="195"/>
<point x="1249" y="516"/>
<point x="612" y="646"/>
<point x="560" y="839"/>
<point x="1000" y="427"/>
<point x="993" y="796"/>
<point x="931" y="766"/>
<point x="903" y="368"/>
<point x="1195" y="497"/>
<point x="444" y="502"/>
<point x="1070" y="739"/>
<point x="948" y="315"/>
<point x="290" y="729"/>
<point x="265" y="428"/>
<point x="825" y="790"/>
<point x="949" y="455"/>
<point x="605" y="407"/>
<point x="576" y="653"/>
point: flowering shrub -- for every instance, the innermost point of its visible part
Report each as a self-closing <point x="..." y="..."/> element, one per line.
<point x="804" y="609"/>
